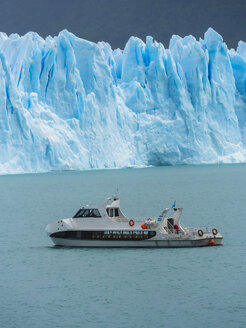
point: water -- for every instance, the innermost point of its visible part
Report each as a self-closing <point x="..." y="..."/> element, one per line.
<point x="44" y="286"/>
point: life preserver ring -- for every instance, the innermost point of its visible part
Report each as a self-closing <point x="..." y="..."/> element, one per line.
<point x="214" y="231"/>
<point x="200" y="232"/>
<point x="131" y="223"/>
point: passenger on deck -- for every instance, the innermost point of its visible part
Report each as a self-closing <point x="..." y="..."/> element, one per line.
<point x="176" y="228"/>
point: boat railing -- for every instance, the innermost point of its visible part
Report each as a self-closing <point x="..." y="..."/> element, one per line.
<point x="143" y="219"/>
<point x="191" y="230"/>
<point x="181" y="230"/>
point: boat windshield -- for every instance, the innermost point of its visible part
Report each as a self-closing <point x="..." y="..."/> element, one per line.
<point x="88" y="213"/>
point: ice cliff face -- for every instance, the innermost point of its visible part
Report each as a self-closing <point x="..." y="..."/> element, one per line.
<point x="67" y="103"/>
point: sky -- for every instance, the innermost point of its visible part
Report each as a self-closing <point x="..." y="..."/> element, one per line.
<point x="114" y="21"/>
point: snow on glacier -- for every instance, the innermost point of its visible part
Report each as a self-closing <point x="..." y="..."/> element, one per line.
<point x="67" y="103"/>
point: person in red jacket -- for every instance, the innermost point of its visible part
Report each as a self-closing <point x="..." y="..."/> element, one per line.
<point x="176" y="228"/>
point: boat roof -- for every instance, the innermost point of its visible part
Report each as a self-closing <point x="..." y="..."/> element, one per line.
<point x="115" y="202"/>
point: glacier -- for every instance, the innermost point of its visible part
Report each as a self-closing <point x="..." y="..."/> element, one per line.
<point x="70" y="104"/>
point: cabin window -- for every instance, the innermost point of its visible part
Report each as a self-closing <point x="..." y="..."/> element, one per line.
<point x="152" y="234"/>
<point x="112" y="212"/>
<point x="109" y="235"/>
<point x="95" y="213"/>
<point x="85" y="213"/>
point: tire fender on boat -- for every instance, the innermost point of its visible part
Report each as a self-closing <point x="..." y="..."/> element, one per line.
<point x="131" y="223"/>
<point x="200" y="232"/>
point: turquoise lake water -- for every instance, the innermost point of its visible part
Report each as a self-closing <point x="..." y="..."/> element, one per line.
<point x="44" y="286"/>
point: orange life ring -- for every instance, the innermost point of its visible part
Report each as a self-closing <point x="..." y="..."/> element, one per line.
<point x="131" y="223"/>
<point x="143" y="226"/>
<point x="200" y="232"/>
<point x="214" y="231"/>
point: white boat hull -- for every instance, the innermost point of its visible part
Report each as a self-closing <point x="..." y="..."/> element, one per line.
<point x="107" y="226"/>
<point x="165" y="243"/>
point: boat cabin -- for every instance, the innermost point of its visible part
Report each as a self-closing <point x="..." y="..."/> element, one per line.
<point x="113" y="210"/>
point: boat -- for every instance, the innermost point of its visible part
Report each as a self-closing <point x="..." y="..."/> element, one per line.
<point x="106" y="226"/>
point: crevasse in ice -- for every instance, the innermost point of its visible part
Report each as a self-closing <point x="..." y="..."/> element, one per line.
<point x="67" y="103"/>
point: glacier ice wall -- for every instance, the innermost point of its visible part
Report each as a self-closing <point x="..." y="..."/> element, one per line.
<point x="67" y="103"/>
